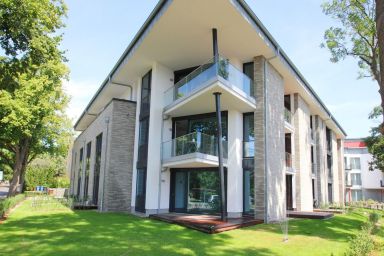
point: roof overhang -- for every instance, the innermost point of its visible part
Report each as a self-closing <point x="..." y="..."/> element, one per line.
<point x="177" y="35"/>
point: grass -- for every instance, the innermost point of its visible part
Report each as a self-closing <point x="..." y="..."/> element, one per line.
<point x="60" y="231"/>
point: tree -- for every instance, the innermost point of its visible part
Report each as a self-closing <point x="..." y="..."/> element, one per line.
<point x="375" y="143"/>
<point x="32" y="101"/>
<point x="361" y="35"/>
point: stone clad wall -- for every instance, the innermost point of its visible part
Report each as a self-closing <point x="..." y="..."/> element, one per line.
<point x="269" y="142"/>
<point x="118" y="175"/>
<point x="117" y="123"/>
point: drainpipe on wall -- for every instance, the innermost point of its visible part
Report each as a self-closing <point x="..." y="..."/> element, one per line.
<point x="105" y="161"/>
<point x="121" y="84"/>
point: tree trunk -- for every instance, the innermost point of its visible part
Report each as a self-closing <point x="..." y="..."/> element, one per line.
<point x="21" y="157"/>
<point x="380" y="37"/>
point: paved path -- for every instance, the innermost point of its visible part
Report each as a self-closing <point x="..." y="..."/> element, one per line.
<point x="3" y="190"/>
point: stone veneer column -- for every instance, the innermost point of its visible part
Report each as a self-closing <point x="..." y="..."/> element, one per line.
<point x="302" y="154"/>
<point x="321" y="154"/>
<point x="119" y="168"/>
<point x="269" y="142"/>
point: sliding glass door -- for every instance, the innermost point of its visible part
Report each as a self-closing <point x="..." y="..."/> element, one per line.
<point x="195" y="190"/>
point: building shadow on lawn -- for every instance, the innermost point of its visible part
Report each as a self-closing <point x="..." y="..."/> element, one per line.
<point x="92" y="233"/>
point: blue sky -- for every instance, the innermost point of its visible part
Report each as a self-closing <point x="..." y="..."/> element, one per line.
<point x="98" y="32"/>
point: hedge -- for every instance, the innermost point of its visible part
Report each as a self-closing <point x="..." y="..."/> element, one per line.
<point x="8" y="203"/>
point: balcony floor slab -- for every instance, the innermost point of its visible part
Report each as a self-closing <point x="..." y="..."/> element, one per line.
<point x="201" y="100"/>
<point x="193" y="160"/>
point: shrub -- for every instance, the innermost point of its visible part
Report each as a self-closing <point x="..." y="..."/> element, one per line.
<point x="45" y="176"/>
<point x="62" y="182"/>
<point x="40" y="176"/>
<point x="8" y="203"/>
<point x="362" y="244"/>
<point x="374" y="217"/>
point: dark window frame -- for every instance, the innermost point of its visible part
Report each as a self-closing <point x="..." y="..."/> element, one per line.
<point x="224" y="114"/>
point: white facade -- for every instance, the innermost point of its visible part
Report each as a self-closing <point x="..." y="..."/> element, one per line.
<point x="174" y="146"/>
<point x="362" y="183"/>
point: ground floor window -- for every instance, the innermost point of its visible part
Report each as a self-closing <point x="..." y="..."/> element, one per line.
<point x="289" y="191"/>
<point x="249" y="191"/>
<point x="330" y="193"/>
<point x="357" y="195"/>
<point x="141" y="180"/>
<point x="195" y="190"/>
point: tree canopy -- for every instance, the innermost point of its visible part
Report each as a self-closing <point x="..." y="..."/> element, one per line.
<point x="357" y="36"/>
<point x="32" y="69"/>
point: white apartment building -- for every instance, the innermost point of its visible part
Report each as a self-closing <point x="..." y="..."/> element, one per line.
<point x="361" y="182"/>
<point x="150" y="141"/>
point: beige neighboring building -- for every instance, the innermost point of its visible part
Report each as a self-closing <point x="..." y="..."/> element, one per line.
<point x="149" y="141"/>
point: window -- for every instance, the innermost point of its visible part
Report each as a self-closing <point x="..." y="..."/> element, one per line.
<point x="87" y="168"/>
<point x="142" y="157"/>
<point x="248" y="70"/>
<point x="328" y="136"/>
<point x="79" y="172"/>
<point x="248" y="135"/>
<point x="96" y="176"/>
<point x="204" y="123"/>
<point x="357" y="195"/>
<point x="355" y="163"/>
<point x="145" y="94"/>
<point x="356" y="179"/>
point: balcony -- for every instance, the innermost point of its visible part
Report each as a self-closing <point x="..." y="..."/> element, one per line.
<point x="330" y="174"/>
<point x="248" y="149"/>
<point x="192" y="150"/>
<point x="193" y="94"/>
<point x="288" y="161"/>
<point x="312" y="136"/>
<point x="313" y="168"/>
<point x="288" y="120"/>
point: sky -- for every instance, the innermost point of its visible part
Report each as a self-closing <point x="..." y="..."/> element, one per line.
<point x="98" y="31"/>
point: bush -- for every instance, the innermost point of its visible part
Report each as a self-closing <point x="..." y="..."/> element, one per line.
<point x="9" y="203"/>
<point x="374" y="217"/>
<point x="62" y="182"/>
<point x="40" y="176"/>
<point x="362" y="244"/>
<point x="44" y="176"/>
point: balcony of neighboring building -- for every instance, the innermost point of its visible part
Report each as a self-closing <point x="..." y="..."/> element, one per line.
<point x="193" y="93"/>
<point x="192" y="150"/>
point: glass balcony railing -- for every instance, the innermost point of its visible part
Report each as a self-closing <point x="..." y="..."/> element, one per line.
<point x="288" y="160"/>
<point x="197" y="78"/>
<point x="287" y="116"/>
<point x="195" y="142"/>
<point x="248" y="149"/>
<point x="330" y="174"/>
<point x="313" y="168"/>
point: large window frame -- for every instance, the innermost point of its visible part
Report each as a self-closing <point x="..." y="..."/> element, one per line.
<point x="80" y="169"/>
<point x="142" y="157"/>
<point x="87" y="169"/>
<point x="97" y="167"/>
<point x="191" y="118"/>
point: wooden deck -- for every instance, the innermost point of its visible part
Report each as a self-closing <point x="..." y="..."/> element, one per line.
<point x="210" y="224"/>
<point x="309" y="215"/>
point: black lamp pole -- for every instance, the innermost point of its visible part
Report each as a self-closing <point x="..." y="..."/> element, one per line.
<point x="220" y="155"/>
<point x="219" y="131"/>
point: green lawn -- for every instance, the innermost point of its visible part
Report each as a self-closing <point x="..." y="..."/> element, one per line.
<point x="43" y="231"/>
